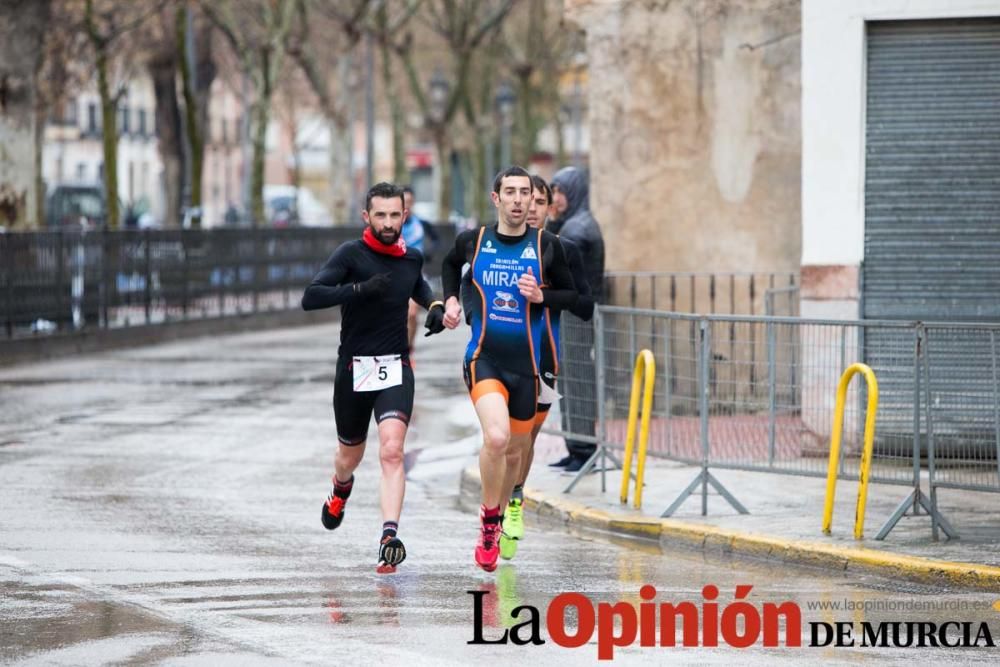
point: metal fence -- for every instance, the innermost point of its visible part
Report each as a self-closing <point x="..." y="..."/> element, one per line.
<point x="962" y="406"/>
<point x="711" y="293"/>
<point x="63" y="281"/>
<point x="758" y="393"/>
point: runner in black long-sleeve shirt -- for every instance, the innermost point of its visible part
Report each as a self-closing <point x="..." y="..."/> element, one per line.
<point x="516" y="273"/>
<point x="373" y="280"/>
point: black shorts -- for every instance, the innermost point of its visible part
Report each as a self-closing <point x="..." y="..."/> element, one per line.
<point x="484" y="376"/>
<point x="353" y="409"/>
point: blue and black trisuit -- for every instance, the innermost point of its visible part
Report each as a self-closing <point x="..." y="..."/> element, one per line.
<point x="504" y="351"/>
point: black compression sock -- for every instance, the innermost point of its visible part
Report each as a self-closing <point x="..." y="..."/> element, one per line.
<point x="389" y="529"/>
<point x="518" y="493"/>
<point x="491" y="515"/>
<point x="343" y="489"/>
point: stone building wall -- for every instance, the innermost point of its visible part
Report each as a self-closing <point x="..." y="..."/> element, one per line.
<point x="21" y="25"/>
<point x="694" y="112"/>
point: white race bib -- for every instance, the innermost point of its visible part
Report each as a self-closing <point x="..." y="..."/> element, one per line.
<point x="376" y="373"/>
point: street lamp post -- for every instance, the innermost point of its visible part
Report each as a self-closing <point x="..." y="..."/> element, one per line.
<point x="505" y="101"/>
<point x="440" y="90"/>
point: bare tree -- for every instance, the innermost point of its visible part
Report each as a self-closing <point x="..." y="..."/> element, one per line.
<point x="324" y="33"/>
<point x="479" y="113"/>
<point x="301" y="133"/>
<point x="58" y="79"/>
<point x="197" y="71"/>
<point x="386" y="23"/>
<point x="464" y="26"/>
<point x="539" y="46"/>
<point x="257" y="36"/>
<point x="162" y="65"/>
<point x="105" y="26"/>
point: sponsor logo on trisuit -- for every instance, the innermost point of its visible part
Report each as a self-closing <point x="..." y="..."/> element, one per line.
<point x="505" y="301"/>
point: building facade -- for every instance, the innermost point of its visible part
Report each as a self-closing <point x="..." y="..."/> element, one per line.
<point x="901" y="159"/>
<point x="73" y="151"/>
<point x="694" y="131"/>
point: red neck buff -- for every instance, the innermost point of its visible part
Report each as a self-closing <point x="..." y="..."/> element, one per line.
<point x="397" y="249"/>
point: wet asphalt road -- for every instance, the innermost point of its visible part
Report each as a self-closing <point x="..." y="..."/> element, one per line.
<point x="162" y="505"/>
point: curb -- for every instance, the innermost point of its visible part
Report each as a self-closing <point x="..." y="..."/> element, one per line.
<point x="710" y="539"/>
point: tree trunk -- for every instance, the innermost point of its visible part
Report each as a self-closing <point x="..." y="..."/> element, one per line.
<point x="110" y="138"/>
<point x="173" y="176"/>
<point x="36" y="218"/>
<point x="560" y="141"/>
<point x="400" y="174"/>
<point x="269" y="61"/>
<point x="480" y="197"/>
<point x="340" y="173"/>
<point x="442" y="175"/>
<point x="527" y="127"/>
<point x="206" y="71"/>
<point x="22" y="40"/>
<point x="168" y="129"/>
<point x="192" y="122"/>
<point x="261" y="116"/>
<point x="296" y="172"/>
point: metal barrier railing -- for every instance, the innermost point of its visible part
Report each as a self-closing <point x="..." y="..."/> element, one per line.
<point x="714" y="293"/>
<point x="757" y="394"/>
<point x="65" y="280"/>
<point x="962" y="408"/>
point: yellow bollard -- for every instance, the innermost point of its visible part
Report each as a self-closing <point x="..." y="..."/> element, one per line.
<point x="866" y="453"/>
<point x="645" y="365"/>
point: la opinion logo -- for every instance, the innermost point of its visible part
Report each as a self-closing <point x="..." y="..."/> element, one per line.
<point x="740" y="624"/>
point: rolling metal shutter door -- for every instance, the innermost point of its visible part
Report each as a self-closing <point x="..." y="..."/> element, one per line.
<point x="932" y="175"/>
<point x="932" y="206"/>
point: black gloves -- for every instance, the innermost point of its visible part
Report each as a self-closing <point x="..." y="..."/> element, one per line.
<point x="374" y="286"/>
<point x="435" y="319"/>
<point x="584" y="308"/>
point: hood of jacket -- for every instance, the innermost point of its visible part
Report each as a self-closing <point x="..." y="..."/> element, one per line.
<point x="573" y="183"/>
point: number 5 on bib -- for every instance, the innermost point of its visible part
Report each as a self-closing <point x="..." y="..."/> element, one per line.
<point x="377" y="373"/>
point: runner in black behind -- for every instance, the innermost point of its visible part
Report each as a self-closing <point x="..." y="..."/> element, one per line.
<point x="373" y="280"/>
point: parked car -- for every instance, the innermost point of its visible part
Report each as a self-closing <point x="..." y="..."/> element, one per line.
<point x="68" y="203"/>
<point x="285" y="207"/>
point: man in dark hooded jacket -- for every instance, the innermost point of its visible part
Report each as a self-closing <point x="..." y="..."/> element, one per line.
<point x="578" y="406"/>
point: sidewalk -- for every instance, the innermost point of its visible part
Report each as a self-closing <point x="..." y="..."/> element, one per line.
<point x="784" y="522"/>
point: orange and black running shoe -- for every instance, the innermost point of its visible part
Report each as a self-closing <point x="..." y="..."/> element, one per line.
<point x="333" y="511"/>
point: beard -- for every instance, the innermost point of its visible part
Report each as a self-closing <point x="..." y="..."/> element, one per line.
<point x="388" y="236"/>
